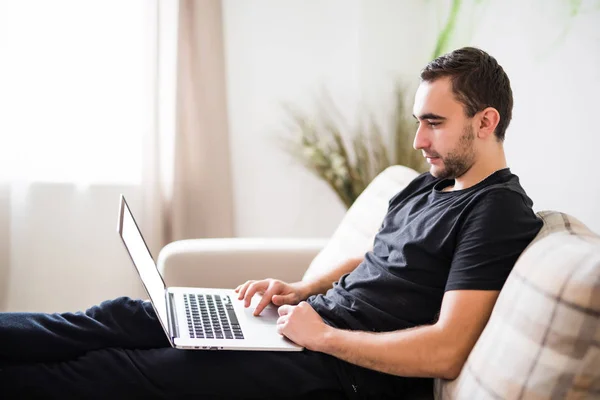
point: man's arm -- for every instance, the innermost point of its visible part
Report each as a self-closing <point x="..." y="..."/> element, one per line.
<point x="320" y="284"/>
<point x="439" y="350"/>
<point x="280" y="293"/>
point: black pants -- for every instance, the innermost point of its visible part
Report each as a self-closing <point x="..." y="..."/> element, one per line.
<point x="119" y="350"/>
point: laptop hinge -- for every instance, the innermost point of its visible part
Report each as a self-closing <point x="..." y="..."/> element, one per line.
<point x="173" y="327"/>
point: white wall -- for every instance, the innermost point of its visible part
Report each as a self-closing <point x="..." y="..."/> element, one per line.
<point x="283" y="50"/>
<point x="554" y="66"/>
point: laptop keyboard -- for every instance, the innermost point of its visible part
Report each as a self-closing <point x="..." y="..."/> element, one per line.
<point x="211" y="317"/>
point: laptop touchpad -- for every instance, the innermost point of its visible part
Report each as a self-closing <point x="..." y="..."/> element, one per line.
<point x="268" y="315"/>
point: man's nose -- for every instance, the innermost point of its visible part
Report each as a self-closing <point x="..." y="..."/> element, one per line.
<point x="421" y="139"/>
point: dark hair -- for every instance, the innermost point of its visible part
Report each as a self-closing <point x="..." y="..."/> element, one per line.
<point x="478" y="82"/>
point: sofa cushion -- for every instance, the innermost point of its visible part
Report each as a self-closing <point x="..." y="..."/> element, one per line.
<point x="354" y="236"/>
<point x="543" y="337"/>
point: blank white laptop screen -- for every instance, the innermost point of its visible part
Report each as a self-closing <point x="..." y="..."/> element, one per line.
<point x="142" y="259"/>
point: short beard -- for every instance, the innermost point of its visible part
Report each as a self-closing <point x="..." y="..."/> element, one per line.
<point x="459" y="160"/>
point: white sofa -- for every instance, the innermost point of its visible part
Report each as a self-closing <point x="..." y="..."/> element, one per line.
<point x="542" y="340"/>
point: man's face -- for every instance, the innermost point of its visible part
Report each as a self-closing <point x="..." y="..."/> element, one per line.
<point x="445" y="135"/>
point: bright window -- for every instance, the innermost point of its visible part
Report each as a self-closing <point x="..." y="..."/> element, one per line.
<point x="77" y="94"/>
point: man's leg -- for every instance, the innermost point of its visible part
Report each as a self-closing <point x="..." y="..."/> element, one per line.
<point x="118" y="349"/>
<point x="36" y="337"/>
<point x="173" y="373"/>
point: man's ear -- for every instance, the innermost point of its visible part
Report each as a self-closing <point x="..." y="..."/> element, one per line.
<point x="488" y="121"/>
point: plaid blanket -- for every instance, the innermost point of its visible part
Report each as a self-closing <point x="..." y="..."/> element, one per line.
<point x="543" y="338"/>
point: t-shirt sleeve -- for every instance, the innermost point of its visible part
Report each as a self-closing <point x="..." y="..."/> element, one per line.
<point x="493" y="236"/>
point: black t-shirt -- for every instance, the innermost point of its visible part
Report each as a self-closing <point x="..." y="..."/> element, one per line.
<point x="431" y="242"/>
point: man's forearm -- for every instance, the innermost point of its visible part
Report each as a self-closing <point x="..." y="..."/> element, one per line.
<point x="418" y="352"/>
<point x="321" y="284"/>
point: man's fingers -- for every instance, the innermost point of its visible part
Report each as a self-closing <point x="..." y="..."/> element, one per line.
<point x="284" y="310"/>
<point x="252" y="289"/>
<point x="243" y="289"/>
<point x="279" y="299"/>
<point x="282" y="320"/>
<point x="266" y="299"/>
<point x="282" y="324"/>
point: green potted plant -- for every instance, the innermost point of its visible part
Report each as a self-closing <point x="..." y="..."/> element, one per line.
<point x="348" y="161"/>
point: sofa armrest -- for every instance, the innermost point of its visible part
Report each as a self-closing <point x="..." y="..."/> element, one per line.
<point x="228" y="262"/>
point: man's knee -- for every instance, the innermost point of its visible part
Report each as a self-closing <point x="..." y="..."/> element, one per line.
<point x="120" y="305"/>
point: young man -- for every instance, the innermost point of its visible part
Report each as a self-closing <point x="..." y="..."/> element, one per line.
<point x="412" y="307"/>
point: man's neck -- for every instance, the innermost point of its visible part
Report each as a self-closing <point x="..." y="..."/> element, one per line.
<point x="480" y="170"/>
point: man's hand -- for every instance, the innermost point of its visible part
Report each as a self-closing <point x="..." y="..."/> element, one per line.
<point x="273" y="290"/>
<point x="302" y="325"/>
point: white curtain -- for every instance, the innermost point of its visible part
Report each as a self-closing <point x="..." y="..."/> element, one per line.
<point x="76" y="100"/>
<point x="98" y="99"/>
<point x="4" y="243"/>
<point x="187" y="178"/>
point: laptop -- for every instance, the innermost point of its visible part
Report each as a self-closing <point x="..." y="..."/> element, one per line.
<point x="201" y="318"/>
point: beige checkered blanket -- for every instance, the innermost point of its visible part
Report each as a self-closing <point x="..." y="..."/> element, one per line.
<point x="543" y="338"/>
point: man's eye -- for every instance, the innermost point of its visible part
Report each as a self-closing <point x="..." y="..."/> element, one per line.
<point x="430" y="123"/>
